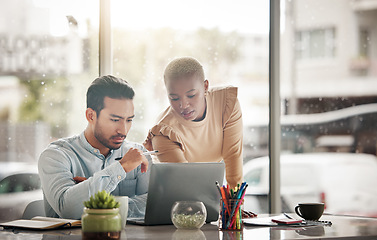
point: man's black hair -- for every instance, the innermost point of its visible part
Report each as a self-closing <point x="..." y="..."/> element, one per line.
<point x="107" y="86"/>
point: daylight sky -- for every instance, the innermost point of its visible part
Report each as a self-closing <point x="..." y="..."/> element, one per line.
<point x="247" y="16"/>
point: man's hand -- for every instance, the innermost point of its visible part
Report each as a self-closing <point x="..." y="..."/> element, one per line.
<point x="132" y="159"/>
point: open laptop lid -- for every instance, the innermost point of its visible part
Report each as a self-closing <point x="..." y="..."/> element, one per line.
<point x="171" y="182"/>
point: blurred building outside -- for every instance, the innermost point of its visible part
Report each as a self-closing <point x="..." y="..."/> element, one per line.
<point x="328" y="63"/>
<point x="30" y="50"/>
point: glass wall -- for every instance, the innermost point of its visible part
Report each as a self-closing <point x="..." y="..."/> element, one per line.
<point x="48" y="56"/>
<point x="329" y="96"/>
<point x="230" y="40"/>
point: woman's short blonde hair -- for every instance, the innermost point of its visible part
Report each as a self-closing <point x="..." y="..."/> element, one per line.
<point x="183" y="67"/>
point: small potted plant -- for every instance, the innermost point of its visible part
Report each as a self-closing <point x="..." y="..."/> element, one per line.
<point x="101" y="218"/>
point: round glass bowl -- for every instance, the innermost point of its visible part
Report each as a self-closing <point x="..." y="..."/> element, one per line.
<point x="188" y="214"/>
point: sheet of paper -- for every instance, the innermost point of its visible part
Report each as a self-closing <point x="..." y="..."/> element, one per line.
<point x="260" y="221"/>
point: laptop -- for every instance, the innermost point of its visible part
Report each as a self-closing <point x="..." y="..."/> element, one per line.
<point x="171" y="182"/>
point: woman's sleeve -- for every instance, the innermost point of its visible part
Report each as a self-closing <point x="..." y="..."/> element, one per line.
<point x="232" y="143"/>
<point x="167" y="143"/>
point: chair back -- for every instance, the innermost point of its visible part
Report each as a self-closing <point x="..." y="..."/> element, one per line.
<point x="33" y="209"/>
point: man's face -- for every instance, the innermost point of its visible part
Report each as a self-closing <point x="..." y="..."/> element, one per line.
<point x="186" y="96"/>
<point x="114" y="122"/>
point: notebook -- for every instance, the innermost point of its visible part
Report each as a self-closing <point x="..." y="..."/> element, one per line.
<point x="42" y="223"/>
<point x="171" y="182"/>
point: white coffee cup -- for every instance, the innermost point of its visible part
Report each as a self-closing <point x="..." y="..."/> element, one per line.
<point x="123" y="208"/>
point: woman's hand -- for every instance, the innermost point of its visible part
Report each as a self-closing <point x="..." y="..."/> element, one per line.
<point x="248" y="214"/>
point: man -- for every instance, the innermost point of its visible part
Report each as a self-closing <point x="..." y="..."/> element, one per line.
<point x="72" y="169"/>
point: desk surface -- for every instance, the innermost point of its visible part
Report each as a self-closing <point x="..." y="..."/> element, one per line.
<point x="342" y="227"/>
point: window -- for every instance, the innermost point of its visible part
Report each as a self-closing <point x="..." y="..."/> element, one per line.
<point x="231" y="43"/>
<point x="48" y="56"/>
<point x="364" y="42"/>
<point x="316" y="43"/>
<point x="329" y="108"/>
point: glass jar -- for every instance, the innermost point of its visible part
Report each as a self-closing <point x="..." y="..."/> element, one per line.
<point x="101" y="224"/>
<point x="188" y="214"/>
<point x="231" y="214"/>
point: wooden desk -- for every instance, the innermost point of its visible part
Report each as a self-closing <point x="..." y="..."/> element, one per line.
<point x="343" y="227"/>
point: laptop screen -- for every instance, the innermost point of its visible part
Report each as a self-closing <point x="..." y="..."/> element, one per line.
<point x="171" y="182"/>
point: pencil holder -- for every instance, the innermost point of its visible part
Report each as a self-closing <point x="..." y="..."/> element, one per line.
<point x="231" y="214"/>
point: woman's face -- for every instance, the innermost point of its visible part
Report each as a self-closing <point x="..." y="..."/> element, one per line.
<point x="187" y="97"/>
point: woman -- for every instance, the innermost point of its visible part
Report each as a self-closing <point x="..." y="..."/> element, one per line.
<point x="201" y="125"/>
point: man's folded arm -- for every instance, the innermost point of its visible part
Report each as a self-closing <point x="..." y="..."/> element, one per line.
<point x="61" y="191"/>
